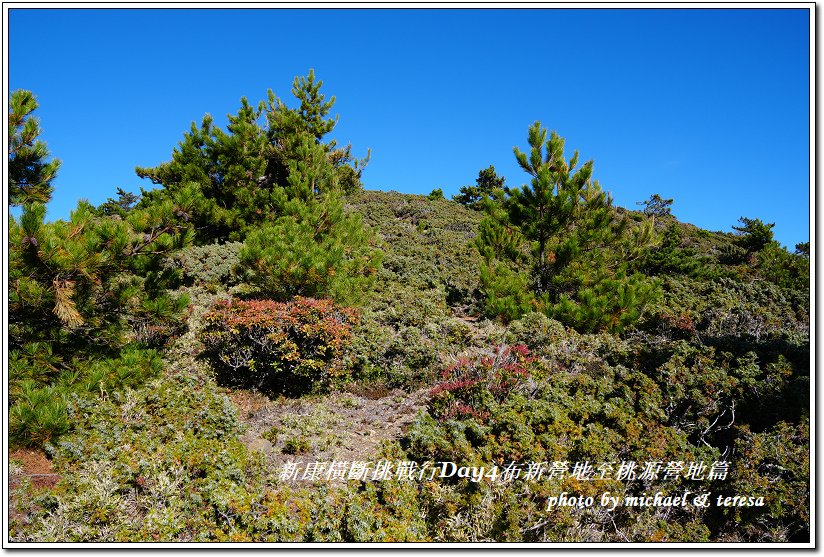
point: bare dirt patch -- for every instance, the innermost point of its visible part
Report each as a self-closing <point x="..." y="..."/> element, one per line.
<point x="248" y="403"/>
<point x="340" y="426"/>
<point x="30" y="472"/>
<point x="33" y="465"/>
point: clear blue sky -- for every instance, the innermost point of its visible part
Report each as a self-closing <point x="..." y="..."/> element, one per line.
<point x="709" y="107"/>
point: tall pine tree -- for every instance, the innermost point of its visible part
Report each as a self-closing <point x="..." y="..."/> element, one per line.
<point x="561" y="235"/>
<point x="272" y="179"/>
<point x="80" y="282"/>
<point x="242" y="176"/>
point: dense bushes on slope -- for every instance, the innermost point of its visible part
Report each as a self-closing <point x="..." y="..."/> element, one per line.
<point x="715" y="369"/>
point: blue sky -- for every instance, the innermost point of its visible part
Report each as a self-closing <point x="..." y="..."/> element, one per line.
<point x="706" y="106"/>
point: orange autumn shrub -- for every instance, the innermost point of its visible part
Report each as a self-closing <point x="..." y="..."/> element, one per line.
<point x="278" y="347"/>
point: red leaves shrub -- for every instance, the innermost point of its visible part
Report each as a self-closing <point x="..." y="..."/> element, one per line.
<point x="471" y="388"/>
<point x="276" y="347"/>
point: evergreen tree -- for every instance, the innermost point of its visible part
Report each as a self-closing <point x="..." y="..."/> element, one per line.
<point x="310" y="118"/>
<point x="30" y="176"/>
<point x="241" y="177"/>
<point x="290" y="129"/>
<point x="89" y="281"/>
<point x="656" y="206"/>
<point x="80" y="282"/>
<point x="754" y="235"/>
<point x="487" y="183"/>
<point x="562" y="232"/>
<point x="125" y="202"/>
<point x="80" y="289"/>
<point x="788" y="270"/>
<point x="315" y="250"/>
<point x="223" y="171"/>
<point x="672" y="259"/>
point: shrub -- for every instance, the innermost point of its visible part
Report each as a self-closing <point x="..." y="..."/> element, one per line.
<point x="276" y="347"/>
<point x="208" y="264"/>
<point x="672" y="258"/>
<point x="402" y="336"/>
<point x="536" y="331"/>
<point x="425" y="244"/>
<point x="297" y="445"/>
<point x="787" y="270"/>
<point x="39" y="414"/>
<point x="471" y="388"/>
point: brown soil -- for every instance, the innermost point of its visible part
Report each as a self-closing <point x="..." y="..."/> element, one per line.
<point x="36" y="467"/>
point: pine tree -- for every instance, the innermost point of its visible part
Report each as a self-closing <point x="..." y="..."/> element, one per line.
<point x="80" y="282"/>
<point x="224" y="172"/>
<point x="309" y="118"/>
<point x="30" y="176"/>
<point x="670" y="258"/>
<point x="435" y="194"/>
<point x="562" y="232"/>
<point x="656" y="206"/>
<point x="125" y="202"/>
<point x="316" y="250"/>
<point x="754" y="235"/>
<point x="80" y="289"/>
<point x="85" y="280"/>
<point x="241" y="177"/>
<point x="290" y="129"/>
<point x="486" y="185"/>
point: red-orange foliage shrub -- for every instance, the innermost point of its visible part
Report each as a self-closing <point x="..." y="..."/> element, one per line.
<point x="276" y="347"/>
<point x="470" y="388"/>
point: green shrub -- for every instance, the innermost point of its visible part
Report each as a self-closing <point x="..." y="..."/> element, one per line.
<point x="209" y="264"/>
<point x="785" y="269"/>
<point x="403" y="335"/>
<point x="537" y="331"/>
<point x="425" y="245"/>
<point x="158" y="321"/>
<point x="39" y="413"/>
<point x="673" y="257"/>
<point x="290" y="348"/>
<point x="297" y="445"/>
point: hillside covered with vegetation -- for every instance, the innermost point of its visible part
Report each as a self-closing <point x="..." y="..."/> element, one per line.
<point x="448" y="369"/>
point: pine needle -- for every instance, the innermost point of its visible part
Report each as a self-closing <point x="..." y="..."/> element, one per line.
<point x="64" y="307"/>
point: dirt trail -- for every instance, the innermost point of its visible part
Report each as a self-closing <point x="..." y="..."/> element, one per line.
<point x="339" y="426"/>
